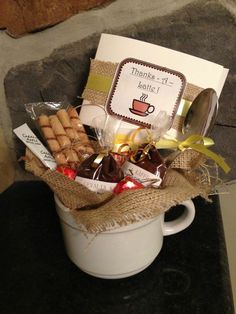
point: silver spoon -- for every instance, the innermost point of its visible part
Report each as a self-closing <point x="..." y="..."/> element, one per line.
<point x="202" y="113"/>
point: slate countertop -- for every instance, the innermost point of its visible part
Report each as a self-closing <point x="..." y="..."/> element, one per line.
<point x="189" y="276"/>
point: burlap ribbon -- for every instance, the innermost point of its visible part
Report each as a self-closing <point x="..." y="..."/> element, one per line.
<point x="100" y="80"/>
<point x="100" y="212"/>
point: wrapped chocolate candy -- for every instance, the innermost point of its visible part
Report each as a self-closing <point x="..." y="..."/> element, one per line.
<point x="100" y="172"/>
<point x="102" y="167"/>
<point x="122" y="154"/>
<point x="147" y="166"/>
<point x="146" y="163"/>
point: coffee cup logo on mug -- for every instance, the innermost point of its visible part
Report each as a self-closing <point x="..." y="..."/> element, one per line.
<point x="104" y="255"/>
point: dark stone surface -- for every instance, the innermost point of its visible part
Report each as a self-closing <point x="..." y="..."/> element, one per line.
<point x="225" y="138"/>
<point x="204" y="29"/>
<point x="61" y="76"/>
<point x="190" y="275"/>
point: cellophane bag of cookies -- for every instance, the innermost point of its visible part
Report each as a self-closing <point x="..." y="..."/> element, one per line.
<point x="63" y="132"/>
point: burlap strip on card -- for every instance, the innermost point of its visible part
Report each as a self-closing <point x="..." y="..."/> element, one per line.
<point x="108" y="69"/>
<point x="101" y="212"/>
<point x="102" y="68"/>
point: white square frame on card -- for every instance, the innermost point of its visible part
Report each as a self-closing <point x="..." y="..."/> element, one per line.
<point x="140" y="90"/>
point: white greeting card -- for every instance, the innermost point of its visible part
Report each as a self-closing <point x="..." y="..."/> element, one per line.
<point x="113" y="48"/>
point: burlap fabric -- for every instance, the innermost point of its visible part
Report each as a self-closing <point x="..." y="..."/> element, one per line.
<point x="102" y="68"/>
<point x="101" y="212"/>
<point x="108" y="70"/>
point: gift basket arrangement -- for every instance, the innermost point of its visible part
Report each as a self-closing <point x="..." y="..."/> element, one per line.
<point x="112" y="189"/>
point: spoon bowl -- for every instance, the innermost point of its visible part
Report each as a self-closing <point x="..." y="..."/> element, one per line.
<point x="202" y="114"/>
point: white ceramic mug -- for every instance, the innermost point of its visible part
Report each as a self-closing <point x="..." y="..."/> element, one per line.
<point x="121" y="252"/>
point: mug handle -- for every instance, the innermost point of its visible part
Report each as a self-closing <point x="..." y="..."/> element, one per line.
<point x="150" y="109"/>
<point x="181" y="223"/>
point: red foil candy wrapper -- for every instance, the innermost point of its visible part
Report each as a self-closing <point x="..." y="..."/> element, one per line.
<point x="70" y="173"/>
<point x="128" y="183"/>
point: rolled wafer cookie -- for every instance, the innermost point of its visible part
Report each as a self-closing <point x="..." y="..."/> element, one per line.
<point x="83" y="149"/>
<point x="83" y="145"/>
<point x="80" y="141"/>
<point x="67" y="125"/>
<point x="51" y="140"/>
<point x="64" y="141"/>
<point x="48" y="133"/>
<point x="60" y="158"/>
<point x="59" y="132"/>
<point x="83" y="138"/>
<point x="75" y="120"/>
<point x="76" y="138"/>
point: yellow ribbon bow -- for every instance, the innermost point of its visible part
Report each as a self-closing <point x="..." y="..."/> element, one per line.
<point x="198" y="143"/>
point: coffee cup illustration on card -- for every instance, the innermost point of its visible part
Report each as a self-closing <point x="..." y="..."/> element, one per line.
<point x="140" y="90"/>
<point x="140" y="107"/>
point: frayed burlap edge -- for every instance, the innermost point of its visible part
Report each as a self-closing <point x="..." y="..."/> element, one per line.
<point x="101" y="212"/>
<point x="136" y="205"/>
